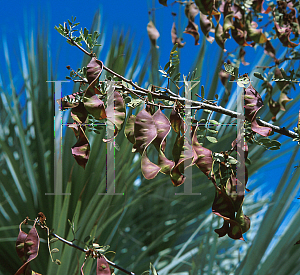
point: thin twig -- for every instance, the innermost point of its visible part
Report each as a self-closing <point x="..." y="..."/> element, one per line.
<point x="131" y="91"/>
<point x="86" y="250"/>
<point x="78" y="46"/>
<point x="278" y="62"/>
<point x="107" y="69"/>
<point x="69" y="243"/>
<point x="277" y="129"/>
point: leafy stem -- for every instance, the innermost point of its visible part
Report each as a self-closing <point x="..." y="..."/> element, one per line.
<point x="174" y="97"/>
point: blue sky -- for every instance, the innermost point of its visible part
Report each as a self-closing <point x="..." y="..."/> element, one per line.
<point x="129" y="15"/>
<point x="18" y="21"/>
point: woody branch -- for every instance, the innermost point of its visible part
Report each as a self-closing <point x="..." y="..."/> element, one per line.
<point x="174" y="97"/>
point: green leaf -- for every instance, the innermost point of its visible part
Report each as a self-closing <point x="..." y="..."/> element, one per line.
<point x="212" y="131"/>
<point x="149" y="94"/>
<point x="97" y="131"/>
<point x="283" y="73"/>
<point x="258" y="75"/>
<point x="177" y="77"/>
<point x="212" y="139"/>
<point x="135" y="102"/>
<point x="232" y="160"/>
<point x="60" y="30"/>
<point x="171" y="71"/>
<point x="248" y="161"/>
<point x="71" y="224"/>
<point x="174" y="49"/>
<point x="86" y="239"/>
<point x="102" y="249"/>
<point x="167" y="65"/>
<point x="85" y="33"/>
<point x="275" y="143"/>
<point x="274" y="148"/>
<point x="92" y="241"/>
<point x="53" y="240"/>
<point x="214" y="122"/>
<point x="265" y="141"/>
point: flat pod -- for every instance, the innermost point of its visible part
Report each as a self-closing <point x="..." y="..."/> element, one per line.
<point x="253" y="103"/>
<point x="30" y="251"/>
<point x="102" y="266"/>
